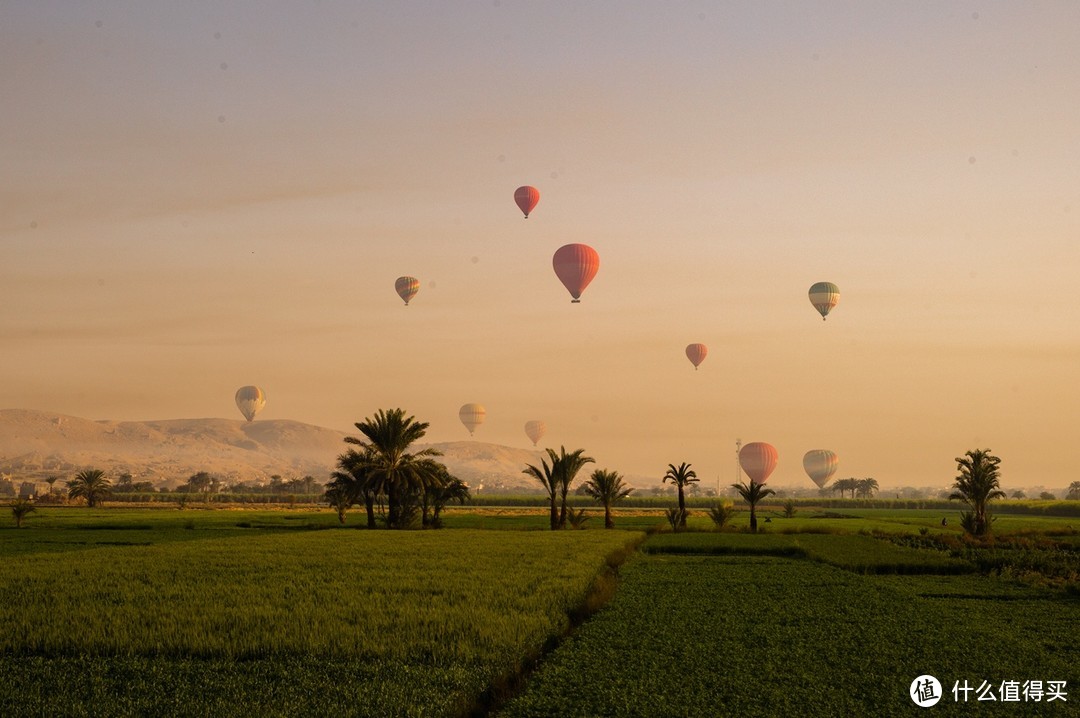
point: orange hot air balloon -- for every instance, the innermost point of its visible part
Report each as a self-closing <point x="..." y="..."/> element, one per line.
<point x="535" y="430"/>
<point x="758" y="460"/>
<point x="575" y="266"/>
<point x="407" y="287"/>
<point x="526" y="198"/>
<point x="696" y="354"/>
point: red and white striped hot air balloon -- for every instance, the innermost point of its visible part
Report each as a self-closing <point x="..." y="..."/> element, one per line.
<point x="824" y="296"/>
<point x="758" y="460"/>
<point x="526" y="198"/>
<point x="472" y="416"/>
<point x="575" y="266"/>
<point x="820" y="465"/>
<point x="696" y="353"/>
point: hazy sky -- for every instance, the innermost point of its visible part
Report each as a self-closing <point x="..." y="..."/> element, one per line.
<point x="201" y="195"/>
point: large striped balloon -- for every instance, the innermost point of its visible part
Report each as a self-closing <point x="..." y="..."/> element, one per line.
<point x="407" y="287"/>
<point x="758" y="460"/>
<point x="575" y="266"/>
<point x="820" y="465"/>
<point x="535" y="430"/>
<point x="250" y="400"/>
<point x="526" y="198"/>
<point x="472" y="416"/>
<point x="696" y="354"/>
<point x="824" y="296"/>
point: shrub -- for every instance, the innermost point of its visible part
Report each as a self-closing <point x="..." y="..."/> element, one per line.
<point x="722" y="513"/>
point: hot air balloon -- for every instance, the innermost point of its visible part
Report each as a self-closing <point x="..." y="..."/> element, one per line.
<point x="696" y="353"/>
<point x="407" y="287"/>
<point x="526" y="198"/>
<point x="472" y="416"/>
<point x="535" y="430"/>
<point x="820" y="465"/>
<point x="824" y="296"/>
<point x="575" y="265"/>
<point x="250" y="400"/>
<point x="758" y="460"/>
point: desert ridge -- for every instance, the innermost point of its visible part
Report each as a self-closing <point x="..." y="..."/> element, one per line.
<point x="35" y="445"/>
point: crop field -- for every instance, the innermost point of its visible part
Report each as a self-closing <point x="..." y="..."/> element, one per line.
<point x="759" y="635"/>
<point x="206" y="614"/>
<point x="211" y="612"/>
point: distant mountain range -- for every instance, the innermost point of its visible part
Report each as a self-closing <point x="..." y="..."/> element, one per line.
<point x="35" y="445"/>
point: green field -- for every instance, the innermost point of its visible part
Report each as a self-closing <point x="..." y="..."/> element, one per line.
<point x="261" y="612"/>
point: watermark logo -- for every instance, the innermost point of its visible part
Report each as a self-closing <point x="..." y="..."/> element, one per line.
<point x="925" y="691"/>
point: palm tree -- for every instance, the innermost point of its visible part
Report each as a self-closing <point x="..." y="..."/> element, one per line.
<point x="385" y="454"/>
<point x="566" y="469"/>
<point x="977" y="484"/>
<point x="752" y="494"/>
<point x="681" y="476"/>
<point x="866" y="487"/>
<point x="20" y="508"/>
<point x="1074" y="491"/>
<point x="843" y="485"/>
<point x="352" y="483"/>
<point x="550" y="481"/>
<point x="450" y="489"/>
<point x="606" y="488"/>
<point x="90" y="484"/>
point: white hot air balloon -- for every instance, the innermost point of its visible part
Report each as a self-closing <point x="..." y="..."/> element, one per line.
<point x="535" y="430"/>
<point x="250" y="400"/>
<point x="472" y="416"/>
<point x="820" y="465"/>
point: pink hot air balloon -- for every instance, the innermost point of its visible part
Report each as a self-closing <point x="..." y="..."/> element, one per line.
<point x="696" y="354"/>
<point x="526" y="198"/>
<point x="575" y="266"/>
<point x="758" y="460"/>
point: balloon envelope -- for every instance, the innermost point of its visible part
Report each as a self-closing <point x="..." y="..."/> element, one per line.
<point x="526" y="198"/>
<point x="535" y="430"/>
<point x="250" y="400"/>
<point x="824" y="296"/>
<point x="407" y="287"/>
<point x="820" y="465"/>
<point x="758" y="460"/>
<point x="696" y="353"/>
<point x="575" y="266"/>
<point x="472" y="416"/>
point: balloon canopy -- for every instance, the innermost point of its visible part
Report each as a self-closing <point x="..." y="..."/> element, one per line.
<point x="696" y="354"/>
<point x="407" y="287"/>
<point x="526" y="198"/>
<point x="575" y="266"/>
<point x="824" y="296"/>
<point x="250" y="400"/>
<point x="472" y="416"/>
<point x="820" y="465"/>
<point x="535" y="430"/>
<point x="758" y="460"/>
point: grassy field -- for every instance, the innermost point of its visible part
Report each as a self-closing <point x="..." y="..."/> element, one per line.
<point x="759" y="635"/>
<point x="210" y="612"/>
<point x="121" y="612"/>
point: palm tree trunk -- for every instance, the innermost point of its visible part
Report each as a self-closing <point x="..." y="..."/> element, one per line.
<point x="608" y="523"/>
<point x="369" y="506"/>
<point x="682" y="507"/>
<point x="393" y="506"/>
<point x="753" y="518"/>
<point x="554" y="512"/>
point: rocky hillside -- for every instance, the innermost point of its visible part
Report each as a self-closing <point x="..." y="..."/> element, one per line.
<point x="35" y="445"/>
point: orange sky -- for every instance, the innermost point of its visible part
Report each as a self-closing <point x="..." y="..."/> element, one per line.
<point x="196" y="198"/>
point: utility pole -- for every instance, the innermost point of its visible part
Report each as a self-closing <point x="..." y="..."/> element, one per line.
<point x="738" y="466"/>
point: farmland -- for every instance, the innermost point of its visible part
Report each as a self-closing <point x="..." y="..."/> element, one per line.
<point x="257" y="612"/>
